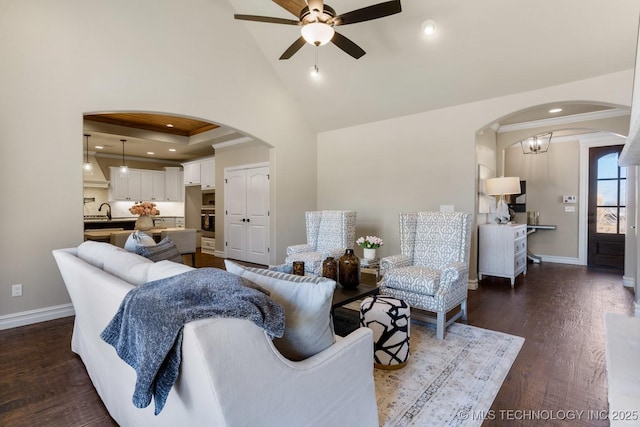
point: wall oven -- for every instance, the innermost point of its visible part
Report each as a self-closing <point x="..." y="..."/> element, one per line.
<point x="208" y="220"/>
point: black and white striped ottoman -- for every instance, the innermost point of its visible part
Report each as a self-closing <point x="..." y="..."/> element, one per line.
<point x="389" y="319"/>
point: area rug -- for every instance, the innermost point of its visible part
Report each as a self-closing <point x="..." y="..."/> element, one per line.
<point x="450" y="382"/>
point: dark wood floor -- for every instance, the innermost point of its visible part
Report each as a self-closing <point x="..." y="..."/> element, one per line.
<point x="558" y="309"/>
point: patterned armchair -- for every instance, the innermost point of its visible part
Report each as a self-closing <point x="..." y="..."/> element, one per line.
<point x="329" y="233"/>
<point x="432" y="272"/>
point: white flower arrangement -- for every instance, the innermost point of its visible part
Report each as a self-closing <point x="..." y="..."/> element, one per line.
<point x="370" y="242"/>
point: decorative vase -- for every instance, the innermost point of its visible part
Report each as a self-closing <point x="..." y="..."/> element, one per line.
<point x="370" y="253"/>
<point x="349" y="270"/>
<point x="330" y="268"/>
<point x="144" y="223"/>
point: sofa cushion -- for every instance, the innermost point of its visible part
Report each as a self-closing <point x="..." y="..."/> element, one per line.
<point x="164" y="250"/>
<point x="136" y="239"/>
<point x="307" y="304"/>
<point x="95" y="252"/>
<point x="129" y="267"/>
<point x="161" y="269"/>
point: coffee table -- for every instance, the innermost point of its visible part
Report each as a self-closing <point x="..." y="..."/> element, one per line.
<point x="343" y="296"/>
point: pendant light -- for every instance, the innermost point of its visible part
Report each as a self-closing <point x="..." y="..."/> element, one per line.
<point x="87" y="166"/>
<point x="124" y="170"/>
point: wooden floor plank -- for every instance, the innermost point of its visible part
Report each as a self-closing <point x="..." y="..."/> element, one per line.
<point x="558" y="309"/>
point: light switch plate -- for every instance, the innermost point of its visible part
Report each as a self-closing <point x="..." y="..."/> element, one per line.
<point x="569" y="208"/>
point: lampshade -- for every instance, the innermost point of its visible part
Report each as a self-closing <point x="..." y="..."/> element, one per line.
<point x="503" y="185"/>
<point x="536" y="144"/>
<point x="317" y="33"/>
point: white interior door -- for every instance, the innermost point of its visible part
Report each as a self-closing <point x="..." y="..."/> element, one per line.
<point x="235" y="208"/>
<point x="247" y="214"/>
<point x="257" y="214"/>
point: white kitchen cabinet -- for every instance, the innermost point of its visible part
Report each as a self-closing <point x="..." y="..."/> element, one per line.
<point x="164" y="222"/>
<point x="125" y="187"/>
<point x="173" y="184"/>
<point x="191" y="173"/>
<point x="152" y="185"/>
<point x="208" y="245"/>
<point x="246" y="214"/>
<point x="208" y="174"/>
<point x="502" y="250"/>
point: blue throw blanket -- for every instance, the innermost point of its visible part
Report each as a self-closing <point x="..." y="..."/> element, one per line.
<point x="147" y="329"/>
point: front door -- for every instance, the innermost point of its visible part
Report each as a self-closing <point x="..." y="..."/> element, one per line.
<point x="607" y="208"/>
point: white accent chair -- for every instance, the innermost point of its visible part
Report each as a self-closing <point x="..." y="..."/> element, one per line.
<point x="329" y="233"/>
<point x="185" y="241"/>
<point x="432" y="272"/>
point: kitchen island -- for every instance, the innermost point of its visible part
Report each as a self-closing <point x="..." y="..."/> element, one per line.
<point x="105" y="235"/>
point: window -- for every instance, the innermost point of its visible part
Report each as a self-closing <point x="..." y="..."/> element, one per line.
<point x="611" y="202"/>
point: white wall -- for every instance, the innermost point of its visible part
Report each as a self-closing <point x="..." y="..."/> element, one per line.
<point x="422" y="161"/>
<point x="62" y="59"/>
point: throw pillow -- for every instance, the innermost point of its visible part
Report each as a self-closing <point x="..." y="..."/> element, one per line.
<point x="129" y="267"/>
<point x="164" y="250"/>
<point x="136" y="239"/>
<point x="307" y="304"/>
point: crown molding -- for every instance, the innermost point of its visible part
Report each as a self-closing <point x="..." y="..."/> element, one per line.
<point x="576" y="118"/>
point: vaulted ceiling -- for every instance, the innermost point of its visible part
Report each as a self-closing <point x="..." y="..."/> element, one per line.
<point x="482" y="49"/>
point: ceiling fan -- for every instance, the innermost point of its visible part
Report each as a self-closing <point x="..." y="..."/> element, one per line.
<point x="318" y="19"/>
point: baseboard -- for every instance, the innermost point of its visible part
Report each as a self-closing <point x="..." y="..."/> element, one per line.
<point x="36" y="316"/>
<point x="560" y="260"/>
<point x="628" y="282"/>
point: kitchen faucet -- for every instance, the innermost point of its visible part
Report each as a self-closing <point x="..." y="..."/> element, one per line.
<point x="108" y="210"/>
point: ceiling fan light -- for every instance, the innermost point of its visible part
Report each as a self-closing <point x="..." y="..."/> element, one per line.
<point x="317" y="33"/>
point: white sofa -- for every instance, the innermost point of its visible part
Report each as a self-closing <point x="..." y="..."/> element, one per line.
<point x="230" y="375"/>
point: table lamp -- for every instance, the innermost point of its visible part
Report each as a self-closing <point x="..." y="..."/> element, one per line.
<point x="500" y="187"/>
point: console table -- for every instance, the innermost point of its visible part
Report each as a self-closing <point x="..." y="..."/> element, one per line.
<point x="532" y="229"/>
<point x="502" y="250"/>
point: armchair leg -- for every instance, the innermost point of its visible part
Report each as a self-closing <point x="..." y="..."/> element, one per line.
<point x="441" y="318"/>
<point x="463" y="308"/>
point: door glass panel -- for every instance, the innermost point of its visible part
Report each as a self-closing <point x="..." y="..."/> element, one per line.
<point x="623" y="191"/>
<point x="623" y="221"/>
<point x="608" y="166"/>
<point x="607" y="222"/>
<point x="608" y="193"/>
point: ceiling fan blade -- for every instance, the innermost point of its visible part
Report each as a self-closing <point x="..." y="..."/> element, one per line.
<point x="293" y="48"/>
<point x="368" y="13"/>
<point x="292" y="6"/>
<point x="347" y="45"/>
<point x="268" y="19"/>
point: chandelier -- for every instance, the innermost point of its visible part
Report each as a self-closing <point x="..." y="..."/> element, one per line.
<point x="536" y="144"/>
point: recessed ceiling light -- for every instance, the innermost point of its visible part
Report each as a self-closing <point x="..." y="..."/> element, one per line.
<point x="555" y="110"/>
<point x="169" y="125"/>
<point x="429" y="27"/>
<point x="172" y="149"/>
<point x="99" y="147"/>
<point x="151" y="153"/>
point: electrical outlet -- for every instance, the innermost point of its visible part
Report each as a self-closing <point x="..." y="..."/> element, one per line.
<point x="447" y="208"/>
<point x="16" y="290"/>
